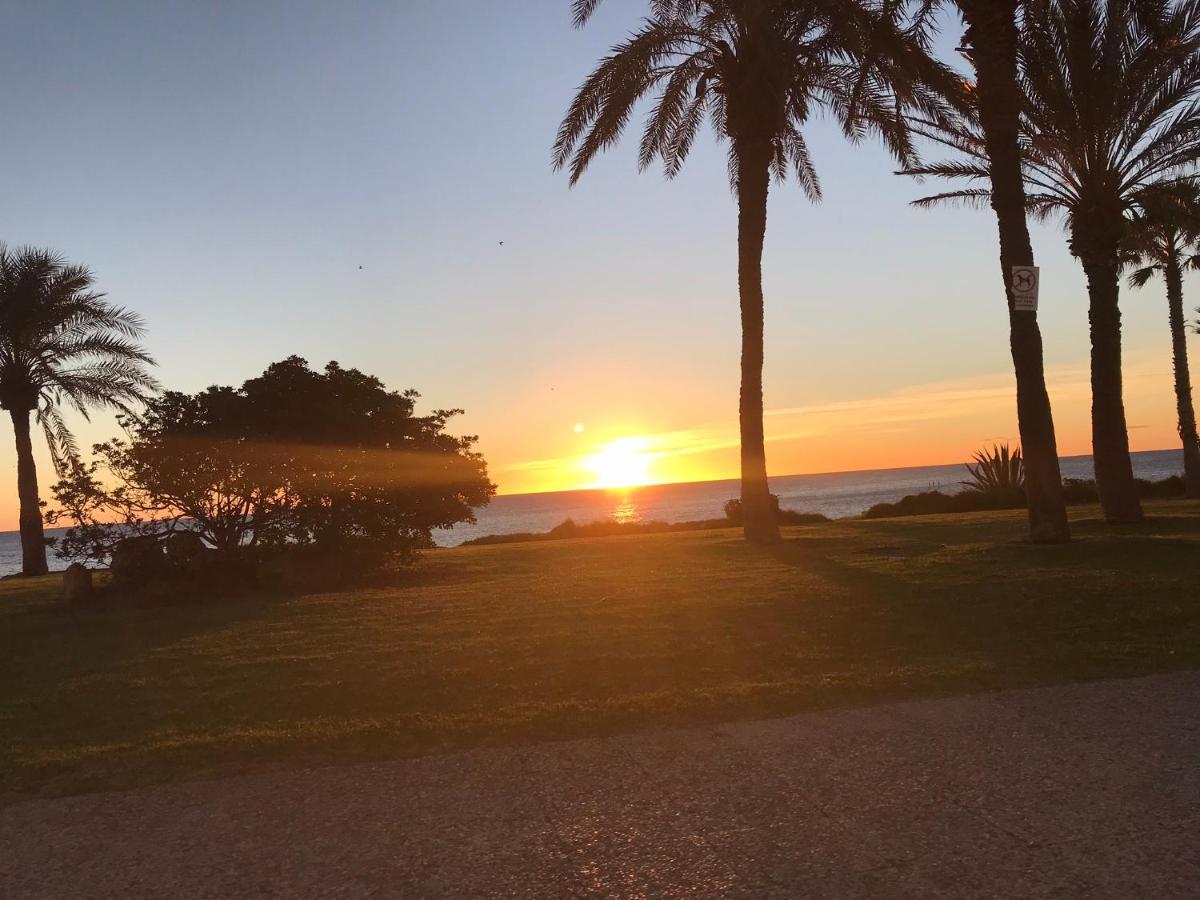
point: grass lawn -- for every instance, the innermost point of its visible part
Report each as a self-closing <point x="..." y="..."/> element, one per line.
<point x="582" y="637"/>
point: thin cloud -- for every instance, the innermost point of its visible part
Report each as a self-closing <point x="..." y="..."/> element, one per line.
<point x="891" y="413"/>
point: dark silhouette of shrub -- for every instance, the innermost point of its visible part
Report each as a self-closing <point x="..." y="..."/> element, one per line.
<point x="1080" y="490"/>
<point x="1076" y="491"/>
<point x="791" y="517"/>
<point x="929" y="503"/>
<point x="329" y="469"/>
<point x="733" y="512"/>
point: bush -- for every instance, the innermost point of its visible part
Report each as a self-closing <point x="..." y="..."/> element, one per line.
<point x="294" y="459"/>
<point x="733" y="509"/>
<point x="733" y="512"/>
<point x="1080" y="490"/>
<point x="924" y="504"/>
<point x="1166" y="488"/>
<point x="1076" y="491"/>
<point x="1083" y="490"/>
<point x="791" y="517"/>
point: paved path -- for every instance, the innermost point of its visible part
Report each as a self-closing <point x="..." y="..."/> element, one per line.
<point x="1088" y="791"/>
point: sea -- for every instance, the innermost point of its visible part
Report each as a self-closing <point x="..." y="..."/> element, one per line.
<point x="835" y="494"/>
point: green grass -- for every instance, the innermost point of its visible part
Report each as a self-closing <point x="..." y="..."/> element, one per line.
<point x="559" y="639"/>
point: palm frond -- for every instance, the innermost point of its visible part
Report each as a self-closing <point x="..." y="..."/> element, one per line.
<point x="1139" y="278"/>
<point x="63" y="344"/>
<point x="581" y="11"/>
<point x="59" y="439"/>
<point x="977" y="198"/>
<point x="1110" y="98"/>
<point x="758" y="70"/>
<point x="602" y="107"/>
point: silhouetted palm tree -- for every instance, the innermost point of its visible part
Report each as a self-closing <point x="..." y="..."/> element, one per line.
<point x="758" y="69"/>
<point x="992" y="36"/>
<point x="61" y="343"/>
<point x="990" y="43"/>
<point x="1162" y="241"/>
<point x="1108" y="109"/>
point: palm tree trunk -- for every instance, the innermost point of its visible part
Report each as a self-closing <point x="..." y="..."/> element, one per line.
<point x="1110" y="437"/>
<point x="33" y="541"/>
<point x="1183" y="380"/>
<point x="992" y="34"/>
<point x="753" y="182"/>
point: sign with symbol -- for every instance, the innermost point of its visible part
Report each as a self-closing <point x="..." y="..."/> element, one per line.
<point x="1025" y="288"/>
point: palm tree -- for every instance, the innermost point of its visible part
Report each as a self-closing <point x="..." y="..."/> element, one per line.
<point x="61" y="343"/>
<point x="1162" y="241"/>
<point x="758" y="69"/>
<point x="1109" y="109"/>
<point x="992" y="36"/>
<point x="990" y="44"/>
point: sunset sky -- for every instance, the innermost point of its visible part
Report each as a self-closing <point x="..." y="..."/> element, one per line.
<point x="226" y="169"/>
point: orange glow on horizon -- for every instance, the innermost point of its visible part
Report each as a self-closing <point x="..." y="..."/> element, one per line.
<point x="938" y="423"/>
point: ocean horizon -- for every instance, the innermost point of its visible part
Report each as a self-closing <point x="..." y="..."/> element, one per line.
<point x="834" y="494"/>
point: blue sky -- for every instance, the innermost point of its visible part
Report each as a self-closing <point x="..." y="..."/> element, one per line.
<point x="226" y="168"/>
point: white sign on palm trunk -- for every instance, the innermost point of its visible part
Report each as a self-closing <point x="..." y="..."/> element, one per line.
<point x="1025" y="288"/>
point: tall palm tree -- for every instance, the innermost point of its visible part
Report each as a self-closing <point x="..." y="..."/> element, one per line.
<point x="61" y="344"/>
<point x="1109" y="96"/>
<point x="758" y="69"/>
<point x="1162" y="241"/>
<point x="990" y="44"/>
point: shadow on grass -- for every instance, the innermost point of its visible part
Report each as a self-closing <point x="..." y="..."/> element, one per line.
<point x="983" y="619"/>
<point x="1151" y="525"/>
<point x="426" y="573"/>
<point x="575" y="638"/>
<point x="98" y="637"/>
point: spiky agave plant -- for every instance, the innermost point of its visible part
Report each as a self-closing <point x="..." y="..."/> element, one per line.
<point x="997" y="473"/>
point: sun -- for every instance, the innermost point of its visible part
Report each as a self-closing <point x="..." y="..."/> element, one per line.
<point x="621" y="463"/>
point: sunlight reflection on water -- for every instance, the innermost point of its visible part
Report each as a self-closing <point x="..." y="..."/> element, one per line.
<point x="626" y="510"/>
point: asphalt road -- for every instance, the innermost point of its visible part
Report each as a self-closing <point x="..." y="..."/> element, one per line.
<point x="1076" y="791"/>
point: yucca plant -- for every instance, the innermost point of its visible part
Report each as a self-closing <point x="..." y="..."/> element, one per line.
<point x="997" y="473"/>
